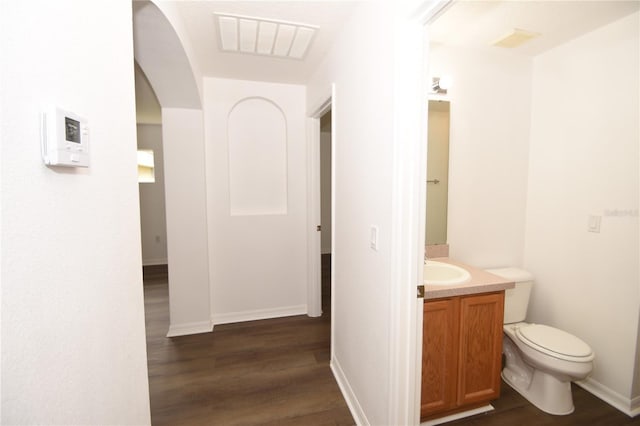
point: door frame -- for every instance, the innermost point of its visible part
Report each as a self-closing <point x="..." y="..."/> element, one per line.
<point x="411" y="85"/>
<point x="314" y="252"/>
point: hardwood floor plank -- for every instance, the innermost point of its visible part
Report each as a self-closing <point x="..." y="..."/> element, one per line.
<point x="252" y="373"/>
<point x="512" y="409"/>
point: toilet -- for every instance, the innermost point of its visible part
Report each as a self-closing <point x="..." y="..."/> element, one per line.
<point x="541" y="361"/>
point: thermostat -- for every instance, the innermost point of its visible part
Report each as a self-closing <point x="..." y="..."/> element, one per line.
<point x="64" y="138"/>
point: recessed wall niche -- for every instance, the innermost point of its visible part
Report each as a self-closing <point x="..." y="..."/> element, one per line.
<point x="257" y="140"/>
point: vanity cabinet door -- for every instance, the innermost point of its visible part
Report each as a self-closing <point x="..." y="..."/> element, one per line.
<point x="481" y="319"/>
<point x="440" y="356"/>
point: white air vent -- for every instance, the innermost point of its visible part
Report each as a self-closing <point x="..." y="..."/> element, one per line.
<point x="515" y="38"/>
<point x="259" y="36"/>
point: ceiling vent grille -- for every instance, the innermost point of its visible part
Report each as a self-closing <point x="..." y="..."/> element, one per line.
<point x="515" y="38"/>
<point x="243" y="34"/>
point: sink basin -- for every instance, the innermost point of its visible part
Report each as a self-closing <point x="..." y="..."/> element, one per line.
<point x="440" y="273"/>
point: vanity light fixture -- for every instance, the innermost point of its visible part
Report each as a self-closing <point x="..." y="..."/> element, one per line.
<point x="440" y="85"/>
<point x="258" y="36"/>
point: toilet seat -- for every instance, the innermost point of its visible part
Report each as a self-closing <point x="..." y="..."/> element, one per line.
<point x="554" y="342"/>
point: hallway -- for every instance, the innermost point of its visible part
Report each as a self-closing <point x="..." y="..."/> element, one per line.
<point x="263" y="372"/>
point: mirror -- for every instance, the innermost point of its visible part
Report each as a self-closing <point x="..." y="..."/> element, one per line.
<point x="437" y="172"/>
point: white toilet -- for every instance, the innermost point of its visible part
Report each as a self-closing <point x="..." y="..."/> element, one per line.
<point x="541" y="361"/>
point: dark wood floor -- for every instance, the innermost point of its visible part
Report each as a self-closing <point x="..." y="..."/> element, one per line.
<point x="513" y="409"/>
<point x="272" y="372"/>
<point x="276" y="372"/>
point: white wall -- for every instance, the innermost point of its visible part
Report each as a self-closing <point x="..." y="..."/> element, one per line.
<point x="148" y="109"/>
<point x="152" y="206"/>
<point x="73" y="339"/>
<point x="258" y="246"/>
<point x="361" y="66"/>
<point x="584" y="161"/>
<point x="186" y="210"/>
<point x="489" y="144"/>
<point x="190" y="60"/>
<point x="164" y="54"/>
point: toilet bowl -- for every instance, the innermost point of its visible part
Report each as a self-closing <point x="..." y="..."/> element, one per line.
<point x="542" y="372"/>
<point x="541" y="361"/>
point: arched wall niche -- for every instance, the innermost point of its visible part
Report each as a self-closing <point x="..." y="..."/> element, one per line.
<point x="257" y="146"/>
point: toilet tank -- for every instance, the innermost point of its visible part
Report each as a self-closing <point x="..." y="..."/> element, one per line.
<point x="516" y="300"/>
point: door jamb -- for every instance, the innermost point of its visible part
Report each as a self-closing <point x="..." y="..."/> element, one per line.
<point x="314" y="255"/>
<point x="409" y="203"/>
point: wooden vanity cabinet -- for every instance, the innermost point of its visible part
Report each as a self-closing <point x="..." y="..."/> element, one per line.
<point x="462" y="353"/>
<point x="440" y="338"/>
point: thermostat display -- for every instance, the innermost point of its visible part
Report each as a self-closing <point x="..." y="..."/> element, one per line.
<point x="72" y="130"/>
<point x="65" y="139"/>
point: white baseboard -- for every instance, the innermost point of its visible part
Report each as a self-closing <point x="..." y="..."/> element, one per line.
<point x="259" y="314"/>
<point x="630" y="407"/>
<point x="347" y="393"/>
<point x="189" y="328"/>
<point x="458" y="416"/>
<point x="153" y="262"/>
<point x="635" y="406"/>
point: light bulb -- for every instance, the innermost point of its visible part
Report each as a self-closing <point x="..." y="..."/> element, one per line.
<point x="445" y="82"/>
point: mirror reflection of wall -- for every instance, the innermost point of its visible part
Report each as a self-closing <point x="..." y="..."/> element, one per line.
<point x="437" y="172"/>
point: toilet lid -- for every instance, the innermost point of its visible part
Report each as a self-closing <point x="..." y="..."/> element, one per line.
<point x="554" y="342"/>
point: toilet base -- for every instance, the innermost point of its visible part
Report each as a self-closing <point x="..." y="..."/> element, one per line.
<point x="544" y="391"/>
